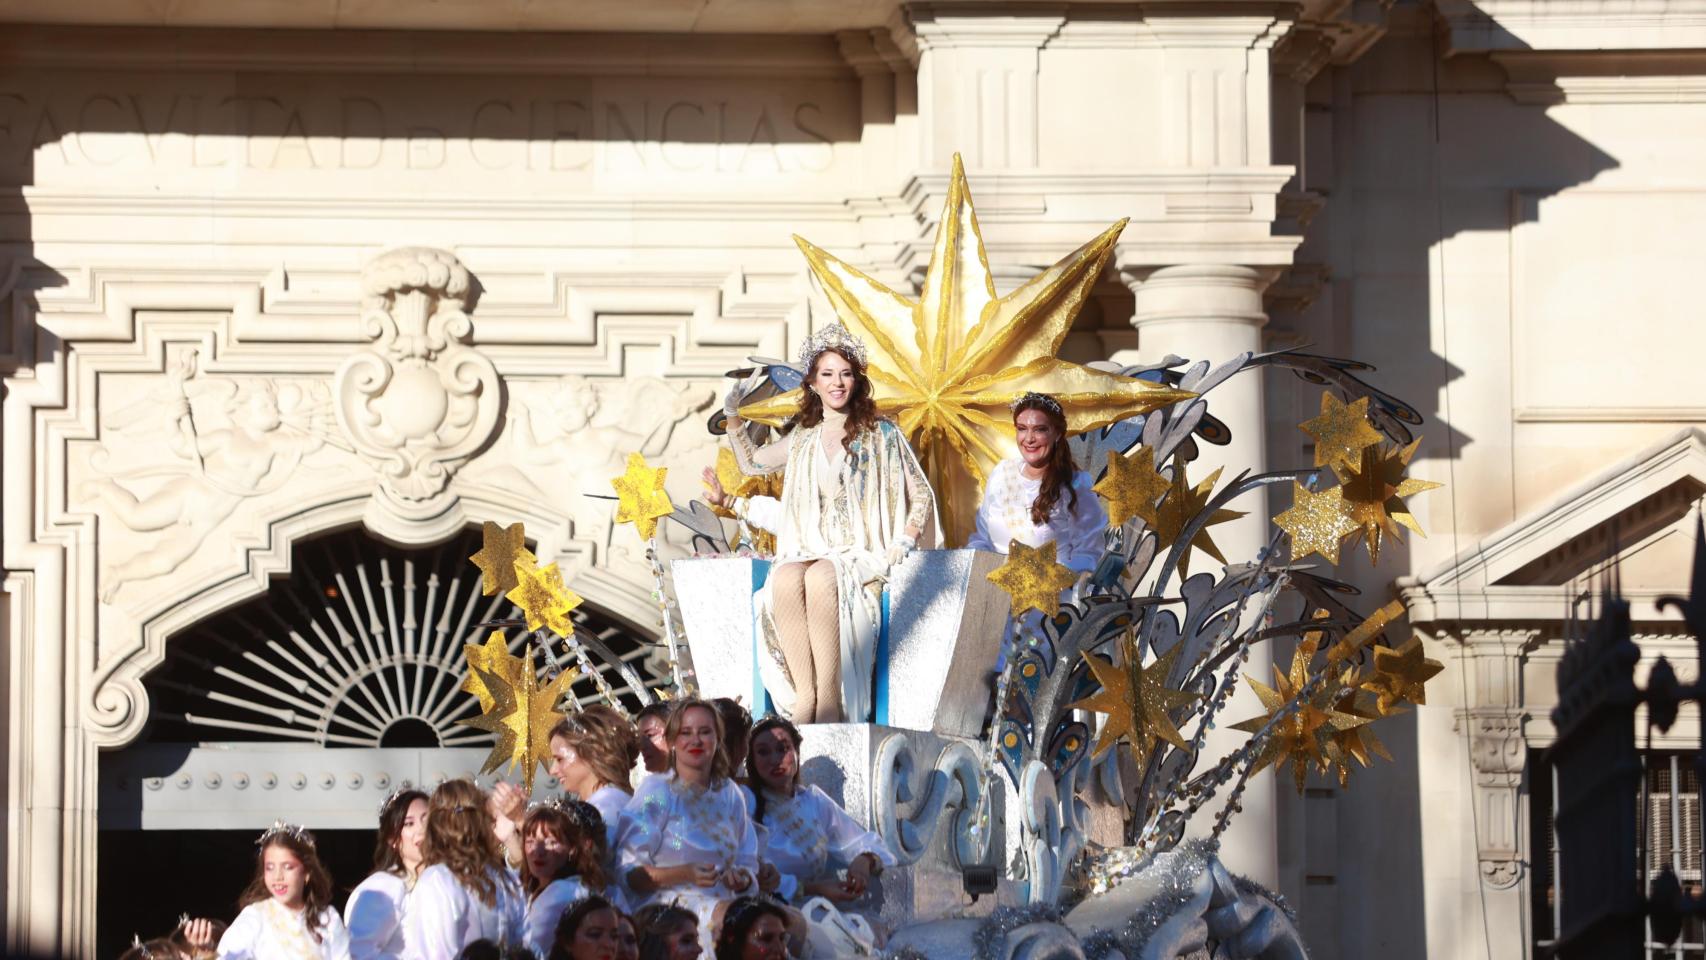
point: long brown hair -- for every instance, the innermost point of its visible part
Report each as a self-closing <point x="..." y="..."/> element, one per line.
<point x="386" y="857"/>
<point x="720" y="769"/>
<point x="605" y="740"/>
<point x="317" y="882"/>
<point x="460" y="834"/>
<point x="657" y="922"/>
<point x="861" y="406"/>
<point x="772" y="722"/>
<point x="579" y="827"/>
<point x="1057" y="473"/>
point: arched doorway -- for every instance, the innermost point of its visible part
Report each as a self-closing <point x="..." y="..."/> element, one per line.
<point x="311" y="702"/>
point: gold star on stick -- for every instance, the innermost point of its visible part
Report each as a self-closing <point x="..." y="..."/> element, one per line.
<point x="1358" y="742"/>
<point x="1374" y="491"/>
<point x="1131" y="486"/>
<point x="521" y="715"/>
<point x="1401" y="675"/>
<point x="1183" y="502"/>
<point x="1317" y="522"/>
<point x="641" y="499"/>
<point x="947" y="365"/>
<point x="1136" y="699"/>
<point x="1306" y="735"/>
<point x="492" y="657"/>
<point x="1032" y="578"/>
<point x="500" y="549"/>
<point x="541" y="595"/>
<point x="1341" y="432"/>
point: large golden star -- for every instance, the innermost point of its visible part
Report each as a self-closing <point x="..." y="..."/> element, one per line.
<point x="540" y="594"/>
<point x="1374" y="490"/>
<point x="1137" y="700"/>
<point x="1317" y="522"/>
<point x="640" y="496"/>
<point x="500" y="548"/>
<point x="1032" y="578"/>
<point x="1401" y="675"/>
<point x="947" y="365"/>
<point x="1342" y="431"/>
<point x="1131" y="486"/>
<point x="492" y="657"/>
<point x="1183" y="502"/>
<point x="521" y="716"/>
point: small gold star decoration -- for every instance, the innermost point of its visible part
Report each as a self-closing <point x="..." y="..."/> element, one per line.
<point x="500" y="549"/>
<point x="737" y="484"/>
<point x="1362" y="633"/>
<point x="1033" y="578"/>
<point x="492" y="657"/>
<point x="1183" y="502"/>
<point x="540" y="594"/>
<point x="1308" y="734"/>
<point x="1358" y="742"/>
<point x="1342" y="431"/>
<point x="1317" y="522"/>
<point x="1401" y="675"/>
<point x="1374" y="491"/>
<point x="1136" y="699"/>
<point x="521" y="715"/>
<point x="1131" y="486"/>
<point x="640" y="497"/>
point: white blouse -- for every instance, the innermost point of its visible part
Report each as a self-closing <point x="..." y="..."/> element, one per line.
<point x="374" y="916"/>
<point x="1005" y="515"/>
<point x="268" y="930"/>
<point x="809" y="836"/>
<point x="610" y="800"/>
<point x="670" y="824"/>
<point x="444" y="916"/>
<point x="548" y="908"/>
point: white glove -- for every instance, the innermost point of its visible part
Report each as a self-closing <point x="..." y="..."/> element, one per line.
<point x="899" y="549"/>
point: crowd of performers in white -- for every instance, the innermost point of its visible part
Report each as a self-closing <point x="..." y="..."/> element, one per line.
<point x="688" y="832"/>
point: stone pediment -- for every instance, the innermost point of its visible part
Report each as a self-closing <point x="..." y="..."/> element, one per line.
<point x="1637" y="510"/>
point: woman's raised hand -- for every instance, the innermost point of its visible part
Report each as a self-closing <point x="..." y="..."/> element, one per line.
<point x="715" y="495"/>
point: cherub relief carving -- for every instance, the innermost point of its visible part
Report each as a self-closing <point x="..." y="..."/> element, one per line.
<point x="231" y="441"/>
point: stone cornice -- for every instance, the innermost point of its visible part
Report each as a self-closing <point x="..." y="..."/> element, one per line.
<point x="1481" y="26"/>
<point x="1546" y="79"/>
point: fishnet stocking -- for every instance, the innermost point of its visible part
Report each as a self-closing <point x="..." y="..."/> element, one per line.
<point x="804" y="606"/>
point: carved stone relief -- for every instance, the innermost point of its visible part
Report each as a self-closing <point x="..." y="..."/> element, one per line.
<point x="1498" y="749"/>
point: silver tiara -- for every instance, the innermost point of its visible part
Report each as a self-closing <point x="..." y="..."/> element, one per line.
<point x="280" y="828"/>
<point x="834" y="335"/>
<point x="390" y="798"/>
<point x="582" y="815"/>
<point x="1038" y="398"/>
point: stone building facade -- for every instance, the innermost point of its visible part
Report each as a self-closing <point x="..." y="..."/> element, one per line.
<point x="270" y="272"/>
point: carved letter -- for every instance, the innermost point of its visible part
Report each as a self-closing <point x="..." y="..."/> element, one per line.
<point x="828" y="145"/>
<point x="763" y="135"/>
<point x="83" y="127"/>
<point x="45" y="125"/>
<point x="426" y="148"/>
<point x="664" y="132"/>
<point x="153" y="138"/>
<point x="558" y="108"/>
<point x="351" y="127"/>
<point x="614" y="120"/>
<point x="294" y="123"/>
<point x="474" y="138"/>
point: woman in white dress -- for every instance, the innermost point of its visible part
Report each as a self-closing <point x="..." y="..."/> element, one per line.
<point x="1040" y="496"/>
<point x="854" y="503"/>
<point x="686" y="837"/>
<point x="592" y="757"/>
<point x="374" y="911"/>
<point x="465" y="893"/>
<point x="566" y="861"/>
<point x="591" y="929"/>
<point x="808" y="837"/>
<point x="286" y="910"/>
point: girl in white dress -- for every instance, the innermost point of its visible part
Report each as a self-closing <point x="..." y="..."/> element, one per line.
<point x="807" y="835"/>
<point x="668" y="932"/>
<point x="686" y="836"/>
<point x="374" y="912"/>
<point x="592" y="756"/>
<point x="1040" y="496"/>
<point x="287" y="912"/>
<point x="465" y="893"/>
<point x="566" y="861"/>
<point x="590" y="930"/>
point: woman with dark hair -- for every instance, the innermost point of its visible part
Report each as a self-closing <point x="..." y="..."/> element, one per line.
<point x="566" y="857"/>
<point x="286" y="910"/>
<point x="667" y="932"/>
<point x="589" y="930"/>
<point x="374" y="912"/>
<point x="465" y="893"/>
<point x="806" y="834"/>
<point x="755" y="928"/>
<point x="854" y="503"/>
<point x="592" y="757"/>
<point x="1040" y="496"/>
<point x="686" y="836"/>
<point x="654" y="749"/>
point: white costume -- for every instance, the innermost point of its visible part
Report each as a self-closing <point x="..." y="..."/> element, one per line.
<point x="444" y="916"/>
<point x="548" y="908"/>
<point x="609" y="800"/>
<point x="847" y="508"/>
<point x="374" y="916"/>
<point x="1005" y="516"/>
<point x="269" y="930"/>
<point x="672" y="824"/>
<point x="808" y="836"/>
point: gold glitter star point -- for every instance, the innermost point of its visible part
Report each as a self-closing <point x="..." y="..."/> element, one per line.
<point x="543" y="598"/>
<point x="1131" y="486"/>
<point x="1317" y="522"/>
<point x="1032" y="578"/>
<point x="1306" y="736"/>
<point x="737" y="484"/>
<point x="1401" y="675"/>
<point x="1136" y="699"/>
<point x="1342" y="431"/>
<point x="1374" y="490"/>
<point x="500" y="549"/>
<point x="492" y="657"/>
<point x="947" y="364"/>
<point x="1183" y="502"/>
<point x="640" y="496"/>
<point x="521" y="716"/>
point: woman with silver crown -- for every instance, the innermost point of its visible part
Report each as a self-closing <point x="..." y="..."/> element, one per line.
<point x="854" y="503"/>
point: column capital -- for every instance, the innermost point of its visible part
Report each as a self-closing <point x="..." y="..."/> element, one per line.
<point x="1205" y="291"/>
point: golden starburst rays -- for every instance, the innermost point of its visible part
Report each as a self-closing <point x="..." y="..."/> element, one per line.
<point x="1317" y="522"/>
<point x="947" y="365"/>
<point x="492" y="657"/>
<point x="1131" y="486"/>
<point x="1374" y="492"/>
<point x="1308" y="735"/>
<point x="521" y="715"/>
<point x="501" y="548"/>
<point x="1401" y="675"/>
<point x="640" y="496"/>
<point x="542" y="597"/>
<point x="1033" y="578"/>
<point x="1183" y="502"/>
<point x="1136" y="699"/>
<point x="1341" y="432"/>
